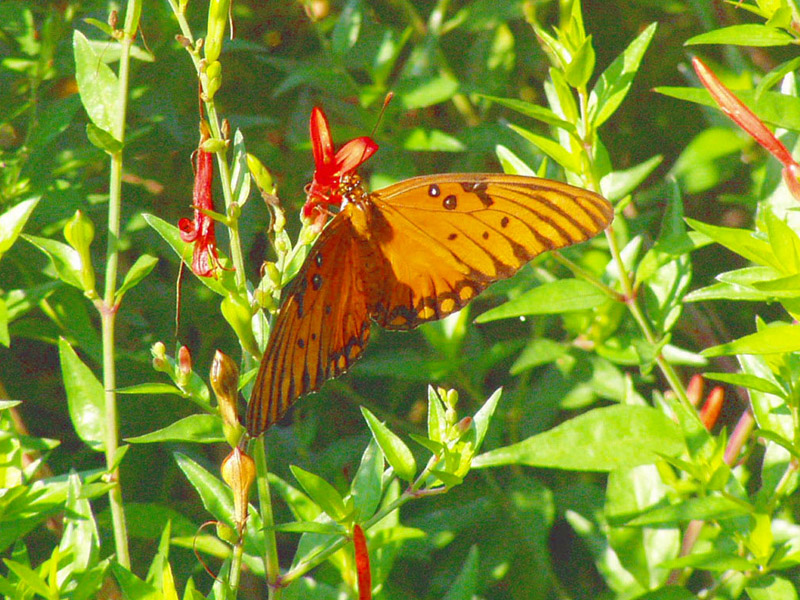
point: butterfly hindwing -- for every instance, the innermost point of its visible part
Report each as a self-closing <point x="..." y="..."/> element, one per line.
<point x="321" y="329"/>
<point x="452" y="235"/>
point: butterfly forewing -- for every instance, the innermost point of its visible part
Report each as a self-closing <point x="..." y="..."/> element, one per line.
<point x="452" y="235"/>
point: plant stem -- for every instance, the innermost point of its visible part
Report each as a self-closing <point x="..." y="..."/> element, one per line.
<point x="108" y="307"/>
<point x="265" y="506"/>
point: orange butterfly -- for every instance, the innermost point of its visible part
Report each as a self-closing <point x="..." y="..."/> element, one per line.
<point x="410" y="253"/>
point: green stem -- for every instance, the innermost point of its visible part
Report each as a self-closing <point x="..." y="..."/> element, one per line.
<point x="108" y="307"/>
<point x="268" y="521"/>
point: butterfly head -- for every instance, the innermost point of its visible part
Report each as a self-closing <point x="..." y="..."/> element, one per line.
<point x="335" y="180"/>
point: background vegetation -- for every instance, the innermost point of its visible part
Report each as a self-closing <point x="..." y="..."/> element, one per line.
<point x="596" y="475"/>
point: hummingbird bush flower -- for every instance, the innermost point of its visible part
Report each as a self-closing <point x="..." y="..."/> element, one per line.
<point x="331" y="169"/>
<point x="200" y="231"/>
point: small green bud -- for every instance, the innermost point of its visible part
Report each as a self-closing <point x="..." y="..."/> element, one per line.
<point x="238" y="314"/>
<point x="159" y="352"/>
<point x="214" y="78"/>
<point x="79" y="233"/>
<point x="260" y="174"/>
<point x="217" y="20"/>
<point x="214" y="145"/>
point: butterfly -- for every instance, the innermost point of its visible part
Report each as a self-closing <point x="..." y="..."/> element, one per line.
<point x="411" y="253"/>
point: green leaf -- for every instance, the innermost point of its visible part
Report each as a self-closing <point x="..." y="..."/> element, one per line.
<point x="482" y="419"/>
<point x="618" y="184"/>
<point x="5" y="338"/>
<point x="465" y="586"/>
<point x="717" y="561"/>
<point x="710" y="508"/>
<point x="171" y="234"/>
<point x="202" y="429"/>
<point x="555" y="297"/>
<point x="420" y="92"/>
<point x="771" y="587"/>
<point x="311" y="527"/>
<point x="321" y="492"/>
<point x="553" y="149"/>
<point x="85" y="397"/>
<point x="97" y="84"/>
<point x="240" y="174"/>
<point x="540" y="113"/>
<point x="437" y="421"/>
<point x="347" y="27"/>
<point x="102" y="139"/>
<point x="770" y="340"/>
<point x="366" y="488"/>
<point x="750" y="34"/>
<point x="29" y="579"/>
<point x="603" y="439"/>
<point x="752" y="382"/>
<point x="420" y="139"/>
<point x="132" y="586"/>
<point x="511" y="163"/>
<point x="396" y="453"/>
<point x="151" y="388"/>
<point x="784" y="241"/>
<point x="80" y="536"/>
<point x="12" y="222"/>
<point x="65" y="259"/>
<point x="726" y="291"/>
<point x="581" y="67"/>
<point x="539" y="351"/>
<point x="216" y="496"/>
<point x="613" y="85"/>
<point x="138" y="271"/>
<point x="740" y="241"/>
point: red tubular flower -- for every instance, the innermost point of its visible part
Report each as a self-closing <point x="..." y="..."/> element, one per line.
<point x="712" y="407"/>
<point x="330" y="167"/>
<point x="200" y="231"/>
<point x="747" y="120"/>
<point x="362" y="564"/>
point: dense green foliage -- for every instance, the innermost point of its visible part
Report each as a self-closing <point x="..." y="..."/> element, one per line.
<point x="596" y="471"/>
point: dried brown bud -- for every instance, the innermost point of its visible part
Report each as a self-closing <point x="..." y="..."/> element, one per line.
<point x="224" y="378"/>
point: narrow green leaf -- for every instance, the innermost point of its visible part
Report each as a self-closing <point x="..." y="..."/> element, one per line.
<point x="395" y="451"/>
<point x="80" y="536"/>
<point x="66" y="261"/>
<point x="555" y="297"/>
<point x="216" y="496"/>
<point x="321" y="492"/>
<point x="138" y="271"/>
<point x="511" y="163"/>
<point x="540" y="113"/>
<point x="437" y="423"/>
<point x="749" y="34"/>
<point x="85" y="397"/>
<point x="431" y="140"/>
<point x="366" y="487"/>
<point x="752" y="382"/>
<point x="311" y="527"/>
<point x="97" y="84"/>
<point x="5" y="338"/>
<point x="770" y="340"/>
<point x="29" y="578"/>
<point x="603" y="439"/>
<point x="465" y="585"/>
<point x="132" y="586"/>
<point x="302" y="507"/>
<point x="784" y="241"/>
<point x="13" y="221"/>
<point x="717" y="561"/>
<point x="482" y="419"/>
<point x="100" y="138"/>
<point x="740" y="241"/>
<point x="539" y="351"/>
<point x="710" y="508"/>
<point x="171" y="234"/>
<point x="551" y="148"/>
<point x="618" y="184"/>
<point x="726" y="291"/>
<point x="771" y="587"/>
<point x="421" y="92"/>
<point x="240" y="174"/>
<point x="613" y="85"/>
<point x="347" y="28"/>
<point x="151" y="388"/>
<point x="202" y="429"/>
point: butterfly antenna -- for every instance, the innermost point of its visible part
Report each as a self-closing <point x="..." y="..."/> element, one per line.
<point x="386" y="101"/>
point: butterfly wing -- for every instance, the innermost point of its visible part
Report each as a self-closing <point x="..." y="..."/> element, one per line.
<point x="446" y="237"/>
<point x="321" y="329"/>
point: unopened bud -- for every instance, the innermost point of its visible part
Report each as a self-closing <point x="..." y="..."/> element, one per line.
<point x="265" y="300"/>
<point x="214" y="75"/>
<point x="225" y="129"/>
<point x="224" y="378"/>
<point x="270" y="269"/>
<point x="260" y="174"/>
<point x="463" y="425"/>
<point x="363" y="572"/>
<point x="238" y="314"/>
<point x="239" y="472"/>
<point x="159" y="352"/>
<point x="213" y="145"/>
<point x="694" y="391"/>
<point x="79" y="233"/>
<point x="713" y="406"/>
<point x="217" y="20"/>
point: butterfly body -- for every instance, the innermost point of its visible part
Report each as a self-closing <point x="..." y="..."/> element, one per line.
<point x="410" y="253"/>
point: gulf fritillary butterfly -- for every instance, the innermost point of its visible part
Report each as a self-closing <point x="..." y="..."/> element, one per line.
<point x="410" y="253"/>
